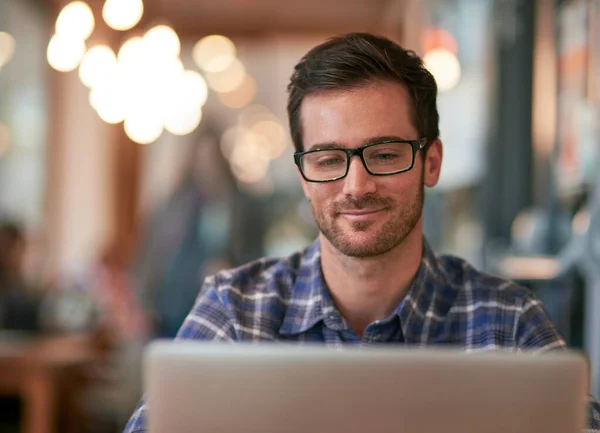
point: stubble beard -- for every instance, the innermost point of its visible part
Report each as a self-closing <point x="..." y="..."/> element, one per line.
<point x="359" y="238"/>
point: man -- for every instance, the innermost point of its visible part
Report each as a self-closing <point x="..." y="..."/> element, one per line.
<point x="364" y="122"/>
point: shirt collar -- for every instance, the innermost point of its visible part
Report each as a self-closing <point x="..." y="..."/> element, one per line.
<point x="311" y="301"/>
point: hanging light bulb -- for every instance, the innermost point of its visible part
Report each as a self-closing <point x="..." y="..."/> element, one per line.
<point x="131" y="51"/>
<point x="109" y="100"/>
<point x="162" y="41"/>
<point x="75" y="20"/>
<point x="182" y="103"/>
<point x="64" y="53"/>
<point x="143" y="124"/>
<point x="122" y="14"/>
<point x="195" y="86"/>
<point x="182" y="120"/>
<point x="99" y="62"/>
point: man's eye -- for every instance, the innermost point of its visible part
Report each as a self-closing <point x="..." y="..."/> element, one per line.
<point x="330" y="161"/>
<point x="384" y="156"/>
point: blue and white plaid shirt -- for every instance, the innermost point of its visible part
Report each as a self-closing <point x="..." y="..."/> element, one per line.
<point x="448" y="303"/>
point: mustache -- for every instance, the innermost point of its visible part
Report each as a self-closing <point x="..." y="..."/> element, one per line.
<point x="354" y="203"/>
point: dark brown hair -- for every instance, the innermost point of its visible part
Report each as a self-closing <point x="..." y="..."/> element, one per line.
<point x="357" y="59"/>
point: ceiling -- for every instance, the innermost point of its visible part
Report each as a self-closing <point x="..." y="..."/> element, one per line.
<point x="260" y="16"/>
<point x="192" y="18"/>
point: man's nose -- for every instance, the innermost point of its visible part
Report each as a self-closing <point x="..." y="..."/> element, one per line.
<point x="358" y="182"/>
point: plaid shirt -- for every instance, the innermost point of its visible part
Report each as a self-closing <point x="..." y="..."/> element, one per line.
<point x="448" y="303"/>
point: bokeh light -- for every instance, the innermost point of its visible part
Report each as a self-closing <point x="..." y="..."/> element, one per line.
<point x="230" y="138"/>
<point x="143" y="125"/>
<point x="161" y="75"/>
<point x="242" y="96"/>
<point x="98" y="63"/>
<point x="214" y="53"/>
<point x="437" y="37"/>
<point x="183" y="99"/>
<point x="195" y="85"/>
<point x="108" y="99"/>
<point x="64" y="53"/>
<point x="122" y="14"/>
<point x="162" y="41"/>
<point x="131" y="52"/>
<point x="249" y="154"/>
<point x="147" y="86"/>
<point x="229" y="79"/>
<point x="444" y="66"/>
<point x="253" y="114"/>
<point x="272" y="137"/>
<point x="75" y="21"/>
<point x="245" y="164"/>
<point x="182" y="119"/>
<point x="7" y="48"/>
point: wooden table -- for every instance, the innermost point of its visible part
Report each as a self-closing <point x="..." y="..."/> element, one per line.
<point x="29" y="368"/>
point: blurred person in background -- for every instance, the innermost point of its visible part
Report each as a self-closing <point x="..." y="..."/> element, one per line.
<point x="120" y="317"/>
<point x="188" y="235"/>
<point x="364" y="121"/>
<point x="12" y="253"/>
<point x="120" y="331"/>
<point x="19" y="303"/>
<point x="106" y="309"/>
<point x="13" y="293"/>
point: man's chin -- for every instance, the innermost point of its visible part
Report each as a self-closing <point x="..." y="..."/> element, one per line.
<point x="351" y="227"/>
<point x="360" y="251"/>
<point x="358" y="244"/>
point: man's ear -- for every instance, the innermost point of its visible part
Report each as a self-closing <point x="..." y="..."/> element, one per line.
<point x="433" y="163"/>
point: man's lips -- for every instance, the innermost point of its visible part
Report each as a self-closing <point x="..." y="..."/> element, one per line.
<point x="358" y="212"/>
<point x="361" y="214"/>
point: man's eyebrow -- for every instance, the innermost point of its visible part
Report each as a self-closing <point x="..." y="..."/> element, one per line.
<point x="370" y="140"/>
<point x="380" y="138"/>
<point x="327" y="145"/>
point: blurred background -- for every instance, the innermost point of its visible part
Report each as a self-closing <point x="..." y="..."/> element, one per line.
<point x="144" y="145"/>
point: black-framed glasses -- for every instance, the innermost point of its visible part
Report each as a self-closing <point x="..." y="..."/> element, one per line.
<point x="380" y="159"/>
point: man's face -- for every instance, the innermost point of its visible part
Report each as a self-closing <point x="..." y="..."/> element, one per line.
<point x="363" y="215"/>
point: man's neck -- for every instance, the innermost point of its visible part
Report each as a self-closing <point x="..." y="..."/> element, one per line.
<point x="368" y="289"/>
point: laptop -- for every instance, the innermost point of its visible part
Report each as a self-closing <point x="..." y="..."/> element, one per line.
<point x="197" y="387"/>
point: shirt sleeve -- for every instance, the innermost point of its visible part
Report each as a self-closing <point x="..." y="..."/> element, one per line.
<point x="209" y="320"/>
<point x="535" y="331"/>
